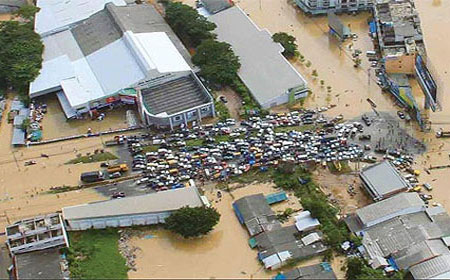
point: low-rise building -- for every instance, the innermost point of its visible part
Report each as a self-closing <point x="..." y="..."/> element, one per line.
<point x="321" y="7"/>
<point x="271" y="79"/>
<point x="316" y="271"/>
<point x="254" y="212"/>
<point x="36" y="233"/>
<point x="45" y="264"/>
<point x="400" y="232"/>
<point x="376" y="213"/>
<point x="106" y="53"/>
<point x="437" y="268"/>
<point x="137" y="210"/>
<point x="382" y="180"/>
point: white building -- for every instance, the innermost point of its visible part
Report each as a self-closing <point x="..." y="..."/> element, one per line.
<point x="271" y="79"/>
<point x="317" y="7"/>
<point x="137" y="210"/>
<point x="103" y="52"/>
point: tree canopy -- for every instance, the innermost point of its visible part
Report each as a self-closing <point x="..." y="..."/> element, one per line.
<point x="217" y="61"/>
<point x="192" y="221"/>
<point x="358" y="269"/>
<point x="288" y="42"/>
<point x="20" y="54"/>
<point x="188" y="24"/>
<point x="27" y="12"/>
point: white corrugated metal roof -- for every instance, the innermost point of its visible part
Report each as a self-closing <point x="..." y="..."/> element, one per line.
<point x="51" y="75"/>
<point x="151" y="203"/>
<point x="388" y="207"/>
<point x="264" y="70"/>
<point x="311" y="238"/>
<point x="435" y="268"/>
<point x="58" y="14"/>
<point x="159" y="52"/>
<point x="115" y="67"/>
<point x="84" y="86"/>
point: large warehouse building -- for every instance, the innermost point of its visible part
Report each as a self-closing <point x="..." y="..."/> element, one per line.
<point x="271" y="79"/>
<point x="138" y="210"/>
<point x="105" y="52"/>
<point x="382" y="180"/>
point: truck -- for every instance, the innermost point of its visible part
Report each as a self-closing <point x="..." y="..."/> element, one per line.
<point x="118" y="168"/>
<point x="93" y="176"/>
<point x="442" y="134"/>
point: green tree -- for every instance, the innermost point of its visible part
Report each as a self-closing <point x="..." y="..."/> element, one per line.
<point x="354" y="268"/>
<point x="217" y="61"/>
<point x="314" y="73"/>
<point x="188" y="24"/>
<point x="27" y="12"/>
<point x="20" y="54"/>
<point x="288" y="42"/>
<point x="192" y="221"/>
<point x="357" y="269"/>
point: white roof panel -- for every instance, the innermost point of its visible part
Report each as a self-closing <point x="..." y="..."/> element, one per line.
<point x="115" y="67"/>
<point x="151" y="203"/>
<point x="62" y="43"/>
<point x="84" y="87"/>
<point x="52" y="72"/>
<point x="264" y="70"/>
<point x="55" y="15"/>
<point x="158" y="50"/>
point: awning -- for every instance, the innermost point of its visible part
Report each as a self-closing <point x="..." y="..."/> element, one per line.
<point x="68" y="110"/>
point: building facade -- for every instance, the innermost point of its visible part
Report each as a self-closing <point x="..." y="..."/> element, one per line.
<point x="321" y="7"/>
<point x="111" y="53"/>
<point x="36" y="233"/>
<point x="147" y="209"/>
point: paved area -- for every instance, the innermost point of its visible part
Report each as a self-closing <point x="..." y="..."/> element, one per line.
<point x="129" y="188"/>
<point x="390" y="132"/>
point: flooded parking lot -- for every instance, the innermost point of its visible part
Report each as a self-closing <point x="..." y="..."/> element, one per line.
<point x="55" y="124"/>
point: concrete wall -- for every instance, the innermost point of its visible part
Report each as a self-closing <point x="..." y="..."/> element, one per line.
<point x="283" y="99"/>
<point x="403" y="64"/>
<point x="117" y="221"/>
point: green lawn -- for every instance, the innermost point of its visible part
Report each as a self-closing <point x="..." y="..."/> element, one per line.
<point x="151" y="148"/>
<point x="194" y="142"/>
<point x="296" y="128"/>
<point x="94" y="254"/>
<point x="93" y="158"/>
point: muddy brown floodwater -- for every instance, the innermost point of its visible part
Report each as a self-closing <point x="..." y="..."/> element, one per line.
<point x="56" y="125"/>
<point x="224" y="253"/>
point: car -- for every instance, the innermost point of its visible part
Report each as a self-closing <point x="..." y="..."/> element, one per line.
<point x="30" y="162"/>
<point x="366" y="120"/>
<point x="115" y="175"/>
<point x="427" y="186"/>
<point x="118" y="195"/>
<point x="365" y="137"/>
<point x="223" y="99"/>
<point x="401" y="115"/>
